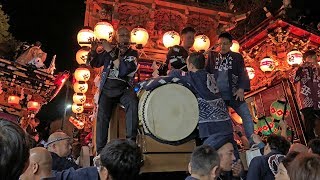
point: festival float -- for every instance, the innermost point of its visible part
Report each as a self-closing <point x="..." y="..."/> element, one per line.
<point x="270" y="42"/>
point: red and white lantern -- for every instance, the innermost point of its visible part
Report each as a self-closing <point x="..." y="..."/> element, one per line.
<point x="294" y="57"/>
<point x="267" y="64"/>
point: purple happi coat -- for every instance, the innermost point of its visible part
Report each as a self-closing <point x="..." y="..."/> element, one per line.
<point x="306" y="80"/>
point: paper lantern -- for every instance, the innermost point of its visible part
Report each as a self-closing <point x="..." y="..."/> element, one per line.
<point x="171" y="38"/>
<point x="13" y="100"/>
<point x="80" y="87"/>
<point x="267" y="64"/>
<point x="82" y="74"/>
<point x="82" y="55"/>
<point x="201" y="43"/>
<point x="263" y="127"/>
<point x="33" y="106"/>
<point x="235" y="46"/>
<point x="294" y="57"/>
<point x="79" y="98"/>
<point x="251" y="72"/>
<point x="139" y="36"/>
<point x="103" y="30"/>
<point x="277" y="109"/>
<point x="84" y="36"/>
<point x="77" y="108"/>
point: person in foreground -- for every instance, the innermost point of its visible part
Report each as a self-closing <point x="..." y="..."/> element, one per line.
<point x="265" y="167"/>
<point x="305" y="166"/>
<point x="59" y="145"/>
<point x="120" y="160"/>
<point x="40" y="168"/>
<point x="283" y="167"/>
<point x="14" y="150"/>
<point x="204" y="164"/>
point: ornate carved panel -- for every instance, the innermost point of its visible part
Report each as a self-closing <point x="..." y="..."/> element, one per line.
<point x="203" y="24"/>
<point x="166" y="20"/>
<point x="132" y="15"/>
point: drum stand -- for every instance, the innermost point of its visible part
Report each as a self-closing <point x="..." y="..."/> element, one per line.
<point x="158" y="157"/>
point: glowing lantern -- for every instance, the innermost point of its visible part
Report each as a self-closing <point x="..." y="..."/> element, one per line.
<point x="201" y="43"/>
<point x="82" y="74"/>
<point x="82" y="55"/>
<point x="33" y="106"/>
<point x="79" y="98"/>
<point x="80" y="87"/>
<point x="171" y="38"/>
<point x="235" y="46"/>
<point x="77" y="108"/>
<point x="251" y="72"/>
<point x="277" y="109"/>
<point x="139" y="36"/>
<point x="267" y="64"/>
<point x="294" y="57"/>
<point x="13" y="100"/>
<point x="84" y="36"/>
<point x="103" y="30"/>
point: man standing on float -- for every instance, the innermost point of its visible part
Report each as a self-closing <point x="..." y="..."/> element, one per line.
<point x="179" y="53"/>
<point x="120" y="65"/>
<point x="232" y="79"/>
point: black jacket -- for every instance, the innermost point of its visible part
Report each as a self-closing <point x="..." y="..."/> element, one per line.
<point x="237" y="73"/>
<point x="62" y="163"/>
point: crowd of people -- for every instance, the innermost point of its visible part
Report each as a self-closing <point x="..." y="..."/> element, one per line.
<point x="218" y="79"/>
<point x="121" y="159"/>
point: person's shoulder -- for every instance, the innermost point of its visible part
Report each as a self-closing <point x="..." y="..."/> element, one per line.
<point x="235" y="54"/>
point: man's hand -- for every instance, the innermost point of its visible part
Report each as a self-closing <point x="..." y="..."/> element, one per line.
<point x="106" y="45"/>
<point x="155" y="73"/>
<point x="94" y="45"/>
<point x="237" y="168"/>
<point x="239" y="94"/>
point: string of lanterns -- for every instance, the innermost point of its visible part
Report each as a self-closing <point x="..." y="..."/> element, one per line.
<point x="140" y="37"/>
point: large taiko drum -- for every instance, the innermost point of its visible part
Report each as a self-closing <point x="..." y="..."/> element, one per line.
<point x="168" y="113"/>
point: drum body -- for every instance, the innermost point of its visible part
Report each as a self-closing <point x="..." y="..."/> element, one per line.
<point x="168" y="113"/>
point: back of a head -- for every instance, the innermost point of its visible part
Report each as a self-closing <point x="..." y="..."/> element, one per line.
<point x="14" y="150"/>
<point x="309" y="53"/>
<point x="298" y="147"/>
<point x="286" y="161"/>
<point x="226" y="35"/>
<point x="122" y="159"/>
<point x="187" y="30"/>
<point x="197" y="59"/>
<point x="278" y="143"/>
<point x="305" y="167"/>
<point x="203" y="159"/>
<point x="314" y="145"/>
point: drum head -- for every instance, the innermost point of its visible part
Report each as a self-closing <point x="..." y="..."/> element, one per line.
<point x="169" y="112"/>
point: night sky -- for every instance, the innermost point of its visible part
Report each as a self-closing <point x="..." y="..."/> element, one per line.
<point x="55" y="24"/>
